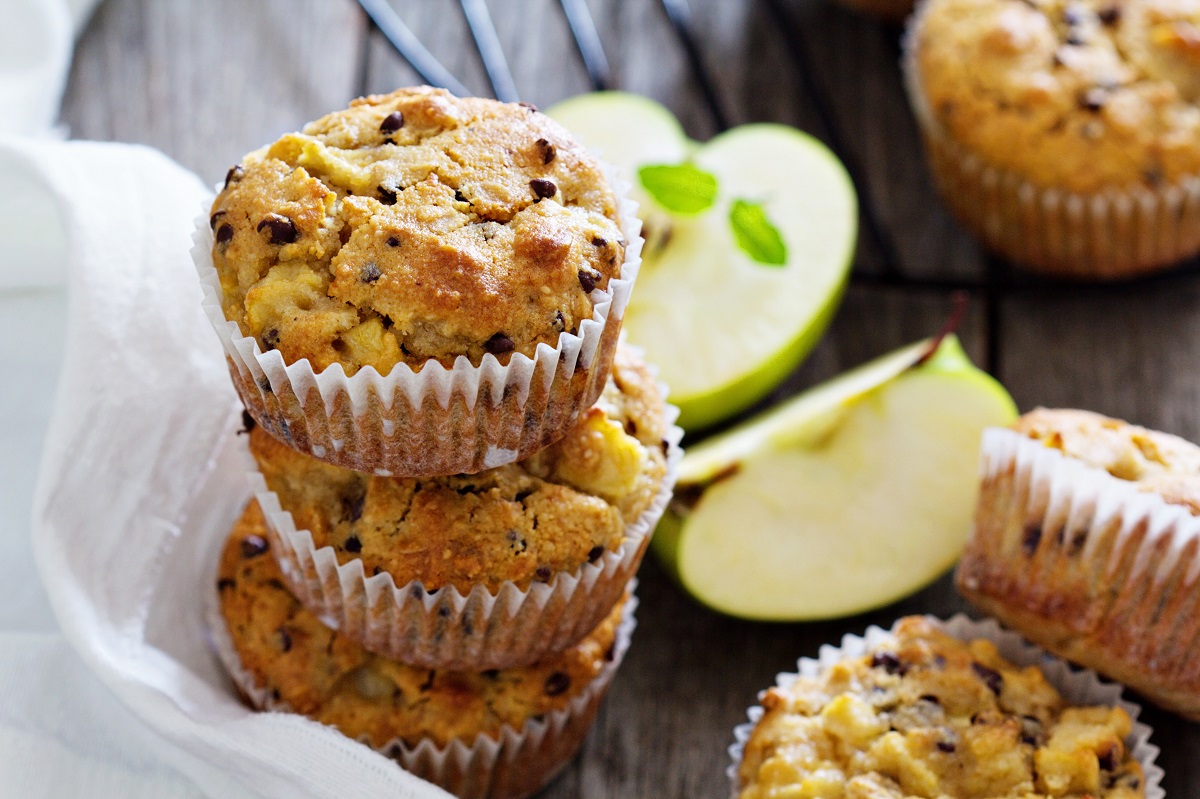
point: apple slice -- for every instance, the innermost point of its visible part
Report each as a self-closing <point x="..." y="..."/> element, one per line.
<point x="847" y="498"/>
<point x="750" y="238"/>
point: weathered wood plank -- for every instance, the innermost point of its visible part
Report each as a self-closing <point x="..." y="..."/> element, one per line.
<point x="206" y="82"/>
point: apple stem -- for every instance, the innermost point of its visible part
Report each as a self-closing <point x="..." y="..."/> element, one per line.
<point x="961" y="300"/>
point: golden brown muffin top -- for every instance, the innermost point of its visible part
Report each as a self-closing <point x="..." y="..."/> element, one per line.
<point x="526" y="521"/>
<point x="414" y="226"/>
<point x="1078" y="94"/>
<point x="1158" y="462"/>
<point x="927" y="715"/>
<point x="327" y="677"/>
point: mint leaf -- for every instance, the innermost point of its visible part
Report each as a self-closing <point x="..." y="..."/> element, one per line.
<point x="682" y="188"/>
<point x="755" y="234"/>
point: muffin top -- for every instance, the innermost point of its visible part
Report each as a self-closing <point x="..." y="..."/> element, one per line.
<point x="526" y="521"/>
<point x="926" y="715"/>
<point x="1079" y="94"/>
<point x="1157" y="462"/>
<point x="415" y="226"/>
<point x="328" y="677"/>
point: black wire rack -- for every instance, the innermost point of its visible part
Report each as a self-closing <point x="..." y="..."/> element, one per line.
<point x="996" y="279"/>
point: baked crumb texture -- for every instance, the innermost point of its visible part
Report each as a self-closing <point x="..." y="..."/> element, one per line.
<point x="510" y="729"/>
<point x="1065" y="134"/>
<point x="564" y="507"/>
<point x="491" y="570"/>
<point x="1086" y="540"/>
<point x="926" y="715"/>
<point x="411" y="227"/>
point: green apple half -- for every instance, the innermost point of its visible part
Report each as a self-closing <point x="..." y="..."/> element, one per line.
<point x="724" y="319"/>
<point x="846" y="498"/>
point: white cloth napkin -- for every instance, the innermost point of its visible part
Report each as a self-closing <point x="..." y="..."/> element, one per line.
<point x="107" y="686"/>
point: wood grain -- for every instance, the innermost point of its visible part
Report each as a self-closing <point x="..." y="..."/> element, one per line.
<point x="207" y="81"/>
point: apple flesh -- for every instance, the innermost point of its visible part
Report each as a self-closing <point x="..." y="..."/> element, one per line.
<point x="847" y="498"/>
<point x="723" y="328"/>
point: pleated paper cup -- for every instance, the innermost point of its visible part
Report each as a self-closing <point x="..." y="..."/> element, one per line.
<point x="513" y="766"/>
<point x="437" y="420"/>
<point x="1088" y="566"/>
<point x="1107" y="235"/>
<point x="1077" y="687"/>
<point x="447" y="629"/>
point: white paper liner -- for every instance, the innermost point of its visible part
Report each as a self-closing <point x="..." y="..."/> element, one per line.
<point x="435" y="421"/>
<point x="517" y="765"/>
<point x="1105" y="235"/>
<point x="1078" y="687"/>
<point x="447" y="629"/>
<point x="1089" y="566"/>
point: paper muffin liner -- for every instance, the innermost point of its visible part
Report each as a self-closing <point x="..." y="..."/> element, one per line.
<point x="1077" y="687"/>
<point x="438" y="420"/>
<point x="1088" y="566"/>
<point x="1107" y="235"/>
<point x="514" y="766"/>
<point x="447" y="629"/>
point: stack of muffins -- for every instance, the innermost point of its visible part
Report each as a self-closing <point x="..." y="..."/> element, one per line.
<point x="459" y="468"/>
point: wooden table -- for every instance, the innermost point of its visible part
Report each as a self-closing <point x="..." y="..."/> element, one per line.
<point x="207" y="80"/>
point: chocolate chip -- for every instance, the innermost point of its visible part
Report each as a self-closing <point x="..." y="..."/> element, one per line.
<point x="459" y="197"/>
<point x="234" y="174"/>
<point x="370" y="273"/>
<point x="387" y="196"/>
<point x="248" y="422"/>
<point x="993" y="678"/>
<point x="548" y="150"/>
<point x="1031" y="538"/>
<point x="1108" y="760"/>
<point x="543" y="188"/>
<point x="543" y="573"/>
<point x="352" y="504"/>
<point x="393" y="241"/>
<point x="264" y="385"/>
<point x="1030" y="740"/>
<point x="587" y="279"/>
<point x="498" y="344"/>
<point x="283" y="641"/>
<point x="888" y="662"/>
<point x="491" y="674"/>
<point x="599" y="242"/>
<point x="930" y="698"/>
<point x="594" y="554"/>
<point x="1094" y="99"/>
<point x="517" y="542"/>
<point x="946" y="746"/>
<point x="253" y="546"/>
<point x="559" y="323"/>
<point x="392" y="122"/>
<point x="224" y="583"/>
<point x="224" y="234"/>
<point x="212" y="220"/>
<point x="352" y="544"/>
<point x="279" y="229"/>
<point x="1110" y="15"/>
<point x="270" y="339"/>
<point x="530" y="106"/>
<point x="558" y="683"/>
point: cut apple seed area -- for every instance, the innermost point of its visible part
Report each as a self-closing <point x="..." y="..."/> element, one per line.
<point x="849" y="497"/>
<point x="749" y="241"/>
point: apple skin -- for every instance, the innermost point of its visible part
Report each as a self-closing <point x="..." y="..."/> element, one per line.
<point x="949" y="359"/>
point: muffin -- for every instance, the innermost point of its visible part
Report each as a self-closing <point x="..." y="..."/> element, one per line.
<point x="489" y="570"/>
<point x="478" y="734"/>
<point x="1064" y="133"/>
<point x="419" y="284"/>
<point x="1086" y="541"/>
<point x="919" y="712"/>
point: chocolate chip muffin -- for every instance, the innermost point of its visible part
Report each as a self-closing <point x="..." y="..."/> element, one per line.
<point x="415" y="227"/>
<point x="284" y="658"/>
<point x="1065" y="133"/>
<point x="1086" y="541"/>
<point x="924" y="714"/>
<point x="490" y="570"/>
<point x="553" y="512"/>
<point x="431" y="240"/>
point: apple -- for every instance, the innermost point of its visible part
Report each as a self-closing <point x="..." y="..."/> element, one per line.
<point x="850" y="496"/>
<point x="749" y="242"/>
